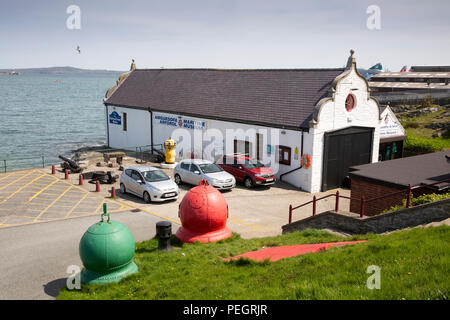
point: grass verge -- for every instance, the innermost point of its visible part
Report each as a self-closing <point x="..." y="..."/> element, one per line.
<point x="414" y="265"/>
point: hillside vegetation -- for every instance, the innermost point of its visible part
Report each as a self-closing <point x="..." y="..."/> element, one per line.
<point x="414" y="265"/>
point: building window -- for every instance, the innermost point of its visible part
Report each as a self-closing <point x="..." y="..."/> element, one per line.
<point x="124" y="121"/>
<point x="284" y="155"/>
<point x="350" y="102"/>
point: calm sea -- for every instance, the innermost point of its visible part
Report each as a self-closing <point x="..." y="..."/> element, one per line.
<point x="49" y="115"/>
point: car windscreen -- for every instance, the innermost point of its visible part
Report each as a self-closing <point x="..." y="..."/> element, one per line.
<point x="251" y="163"/>
<point x="155" y="175"/>
<point x="210" y="168"/>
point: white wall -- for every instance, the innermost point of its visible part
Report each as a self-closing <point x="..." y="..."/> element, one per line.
<point x="334" y="116"/>
<point x="165" y="125"/>
<point x="138" y="128"/>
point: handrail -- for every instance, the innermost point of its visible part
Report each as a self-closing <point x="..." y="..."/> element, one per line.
<point x="4" y="162"/>
<point x="363" y="200"/>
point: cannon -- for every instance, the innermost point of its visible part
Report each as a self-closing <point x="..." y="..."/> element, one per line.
<point x="70" y="165"/>
<point x="102" y="176"/>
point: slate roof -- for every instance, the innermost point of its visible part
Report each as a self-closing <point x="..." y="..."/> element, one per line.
<point x="422" y="169"/>
<point x="273" y="97"/>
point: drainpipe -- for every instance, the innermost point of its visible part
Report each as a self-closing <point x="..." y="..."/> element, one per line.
<point x="107" y="125"/>
<point x="301" y="154"/>
<point x="151" y="129"/>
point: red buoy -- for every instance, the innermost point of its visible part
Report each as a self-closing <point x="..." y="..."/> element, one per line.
<point x="203" y="213"/>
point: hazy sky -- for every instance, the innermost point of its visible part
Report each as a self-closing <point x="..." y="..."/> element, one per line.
<point x="223" y="34"/>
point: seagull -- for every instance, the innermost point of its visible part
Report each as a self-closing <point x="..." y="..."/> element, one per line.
<point x="78" y="49"/>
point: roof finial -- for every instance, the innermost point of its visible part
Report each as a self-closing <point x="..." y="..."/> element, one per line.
<point x="351" y="60"/>
<point x="133" y="65"/>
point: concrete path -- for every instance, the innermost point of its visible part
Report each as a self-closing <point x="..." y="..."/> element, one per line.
<point x="34" y="258"/>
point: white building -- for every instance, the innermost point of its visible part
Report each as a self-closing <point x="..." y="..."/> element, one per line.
<point x="274" y="115"/>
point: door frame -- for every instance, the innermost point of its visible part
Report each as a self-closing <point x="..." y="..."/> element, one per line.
<point x="342" y="132"/>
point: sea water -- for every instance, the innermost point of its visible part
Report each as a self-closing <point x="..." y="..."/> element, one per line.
<point x="50" y="115"/>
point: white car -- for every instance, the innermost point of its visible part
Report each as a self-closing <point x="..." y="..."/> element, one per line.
<point x="192" y="171"/>
<point x="149" y="183"/>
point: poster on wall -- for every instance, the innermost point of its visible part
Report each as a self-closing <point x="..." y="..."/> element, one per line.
<point x="390" y="127"/>
<point x="115" y="118"/>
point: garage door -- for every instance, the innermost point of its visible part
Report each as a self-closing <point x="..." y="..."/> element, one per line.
<point x="342" y="149"/>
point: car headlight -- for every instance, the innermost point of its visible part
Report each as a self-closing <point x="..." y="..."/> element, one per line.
<point x="156" y="189"/>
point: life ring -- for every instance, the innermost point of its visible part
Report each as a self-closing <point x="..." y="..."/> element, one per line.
<point x="305" y="161"/>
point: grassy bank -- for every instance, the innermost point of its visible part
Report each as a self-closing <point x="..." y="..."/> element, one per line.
<point x="414" y="265"/>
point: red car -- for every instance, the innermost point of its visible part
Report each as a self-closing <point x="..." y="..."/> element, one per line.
<point x="247" y="170"/>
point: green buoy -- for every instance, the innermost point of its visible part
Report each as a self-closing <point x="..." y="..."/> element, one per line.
<point x="107" y="251"/>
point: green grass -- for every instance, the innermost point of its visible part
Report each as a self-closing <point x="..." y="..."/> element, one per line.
<point x="414" y="265"/>
<point x="415" y="144"/>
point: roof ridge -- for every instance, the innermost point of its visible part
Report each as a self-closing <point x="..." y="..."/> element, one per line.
<point x="239" y="70"/>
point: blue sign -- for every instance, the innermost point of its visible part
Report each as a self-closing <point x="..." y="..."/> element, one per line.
<point x="115" y="118"/>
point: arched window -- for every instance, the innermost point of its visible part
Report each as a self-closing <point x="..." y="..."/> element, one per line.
<point x="350" y="102"/>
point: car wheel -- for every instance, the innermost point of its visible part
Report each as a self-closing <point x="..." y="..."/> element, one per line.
<point x="248" y="182"/>
<point x="178" y="179"/>
<point x="122" y="189"/>
<point x="147" y="197"/>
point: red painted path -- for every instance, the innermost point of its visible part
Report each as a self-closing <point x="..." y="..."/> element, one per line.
<point x="277" y="253"/>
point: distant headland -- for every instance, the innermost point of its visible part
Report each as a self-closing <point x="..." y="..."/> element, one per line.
<point x="59" y="71"/>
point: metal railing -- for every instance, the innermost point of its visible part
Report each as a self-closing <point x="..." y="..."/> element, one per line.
<point x="42" y="160"/>
<point x="38" y="160"/>
<point x="363" y="201"/>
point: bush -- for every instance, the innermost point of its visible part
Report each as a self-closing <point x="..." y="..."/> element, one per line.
<point x="427" y="102"/>
<point x="412" y="124"/>
<point x="418" y="145"/>
<point x="415" y="201"/>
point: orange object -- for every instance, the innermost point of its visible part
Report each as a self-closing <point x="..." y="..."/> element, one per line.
<point x="203" y="213"/>
<point x="306" y="161"/>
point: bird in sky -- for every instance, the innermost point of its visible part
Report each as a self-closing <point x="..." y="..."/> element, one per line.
<point x="78" y="49"/>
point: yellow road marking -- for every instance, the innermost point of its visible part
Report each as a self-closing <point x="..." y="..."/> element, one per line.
<point x="20" y="189"/>
<point x="42" y="190"/>
<point x="148" y="211"/>
<point x="53" y="202"/>
<point x="76" y="205"/>
<point x="8" y="175"/>
<point x="17" y="180"/>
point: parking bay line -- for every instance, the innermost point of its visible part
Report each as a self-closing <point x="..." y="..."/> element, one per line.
<point x="21" y="188"/>
<point x="17" y="179"/>
<point x="54" y="201"/>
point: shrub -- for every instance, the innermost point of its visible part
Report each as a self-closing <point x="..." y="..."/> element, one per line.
<point x="418" y="145"/>
<point x="427" y="102"/>
<point x="412" y="124"/>
<point x="415" y="201"/>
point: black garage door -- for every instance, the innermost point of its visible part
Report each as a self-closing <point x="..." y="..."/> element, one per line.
<point x="342" y="149"/>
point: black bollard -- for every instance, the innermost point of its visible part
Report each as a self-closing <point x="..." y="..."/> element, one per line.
<point x="163" y="233"/>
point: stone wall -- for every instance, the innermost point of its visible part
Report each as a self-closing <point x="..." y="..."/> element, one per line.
<point x="353" y="224"/>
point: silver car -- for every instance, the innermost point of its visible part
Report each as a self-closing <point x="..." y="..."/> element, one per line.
<point x="192" y="171"/>
<point x="149" y="183"/>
